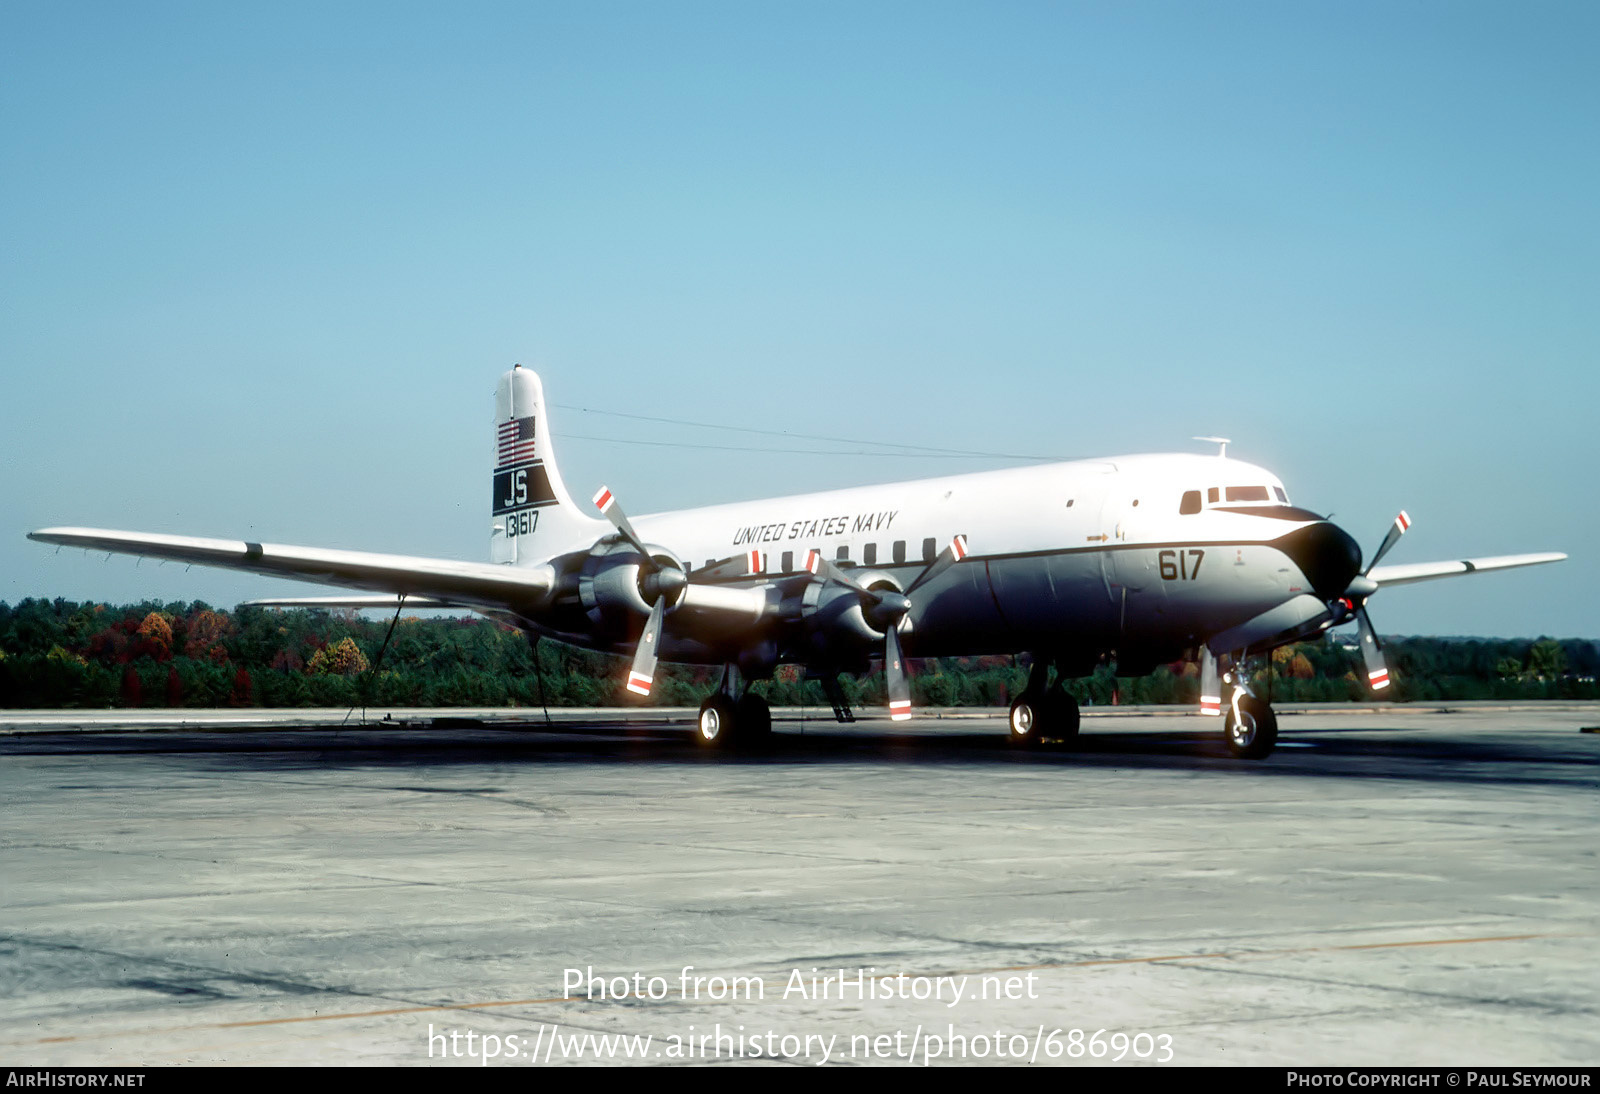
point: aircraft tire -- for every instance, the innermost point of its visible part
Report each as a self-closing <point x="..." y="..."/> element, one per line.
<point x="1062" y="716"/>
<point x="1026" y="720"/>
<point x="754" y="719"/>
<point x="717" y="725"/>
<point x="1255" y="732"/>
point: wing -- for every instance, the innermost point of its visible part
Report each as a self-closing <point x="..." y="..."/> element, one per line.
<point x="1429" y="571"/>
<point x="375" y="602"/>
<point x="468" y="584"/>
<point x="382" y="604"/>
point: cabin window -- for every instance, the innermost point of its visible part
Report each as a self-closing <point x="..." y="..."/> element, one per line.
<point x="842" y="555"/>
<point x="869" y="555"/>
<point x="1069" y="503"/>
<point x="928" y="549"/>
<point x="1213" y="495"/>
<point x="899" y="551"/>
<point x="1248" y="493"/>
<point x="788" y="562"/>
<point x="1190" y="503"/>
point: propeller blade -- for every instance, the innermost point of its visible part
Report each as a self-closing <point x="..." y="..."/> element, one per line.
<point x="889" y="609"/>
<point x="1372" y="652"/>
<point x="1210" y="683"/>
<point x="734" y="566"/>
<point x="1396" y="530"/>
<point x="894" y="669"/>
<point x="665" y="585"/>
<point x="947" y="558"/>
<point x="606" y="502"/>
<point x="817" y="564"/>
<point x="641" y="676"/>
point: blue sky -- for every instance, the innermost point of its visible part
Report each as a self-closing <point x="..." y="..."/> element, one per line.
<point x="261" y="265"/>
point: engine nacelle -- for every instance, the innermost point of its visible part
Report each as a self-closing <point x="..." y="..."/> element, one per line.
<point x="724" y="609"/>
<point x="841" y="628"/>
<point x="611" y="584"/>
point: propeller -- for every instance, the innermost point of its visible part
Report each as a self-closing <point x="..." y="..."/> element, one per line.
<point x="606" y="502"/>
<point x="1401" y="525"/>
<point x="642" y="673"/>
<point x="1355" y="599"/>
<point x="886" y="609"/>
<point x="662" y="583"/>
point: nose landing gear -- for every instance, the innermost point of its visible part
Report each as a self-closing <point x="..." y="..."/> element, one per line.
<point x="1250" y="726"/>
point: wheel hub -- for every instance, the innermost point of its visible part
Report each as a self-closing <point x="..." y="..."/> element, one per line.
<point x="1244" y="729"/>
<point x="1022" y="719"/>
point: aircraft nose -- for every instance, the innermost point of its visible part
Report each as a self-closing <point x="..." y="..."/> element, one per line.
<point x="1326" y="554"/>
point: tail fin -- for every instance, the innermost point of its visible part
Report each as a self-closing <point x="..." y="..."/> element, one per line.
<point x="533" y="515"/>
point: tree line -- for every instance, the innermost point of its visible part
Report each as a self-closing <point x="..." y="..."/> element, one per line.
<point x="60" y="653"/>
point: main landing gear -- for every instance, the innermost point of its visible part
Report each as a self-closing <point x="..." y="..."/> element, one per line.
<point x="733" y="716"/>
<point x="1043" y="710"/>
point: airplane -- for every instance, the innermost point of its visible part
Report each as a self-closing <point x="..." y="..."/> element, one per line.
<point x="1144" y="560"/>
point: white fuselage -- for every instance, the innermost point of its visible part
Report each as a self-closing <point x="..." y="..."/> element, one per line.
<point x="1082" y="557"/>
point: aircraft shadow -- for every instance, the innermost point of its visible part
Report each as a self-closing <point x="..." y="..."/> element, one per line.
<point x="1541" y="759"/>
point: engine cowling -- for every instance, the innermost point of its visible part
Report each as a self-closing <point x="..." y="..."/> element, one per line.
<point x="613" y="584"/>
<point x="617" y="590"/>
<point x="842" y="628"/>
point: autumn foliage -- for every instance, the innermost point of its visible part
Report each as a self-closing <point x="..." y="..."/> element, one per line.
<point x="65" y="654"/>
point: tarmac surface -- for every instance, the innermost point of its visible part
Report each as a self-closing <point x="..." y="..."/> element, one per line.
<point x="1393" y="886"/>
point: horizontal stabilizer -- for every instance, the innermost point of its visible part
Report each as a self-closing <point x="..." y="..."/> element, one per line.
<point x="470" y="584"/>
<point x="1429" y="571"/>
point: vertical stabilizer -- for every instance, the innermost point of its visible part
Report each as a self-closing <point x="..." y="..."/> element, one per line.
<point x="533" y="515"/>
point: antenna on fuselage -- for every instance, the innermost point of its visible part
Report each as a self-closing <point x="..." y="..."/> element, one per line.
<point x="1222" y="452"/>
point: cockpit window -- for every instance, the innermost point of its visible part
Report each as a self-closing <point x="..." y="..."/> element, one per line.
<point x="1190" y="503"/>
<point x="1278" y="490"/>
<point x="1248" y="493"/>
<point x="1212" y="495"/>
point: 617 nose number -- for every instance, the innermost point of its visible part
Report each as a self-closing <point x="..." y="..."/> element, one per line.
<point x="1180" y="565"/>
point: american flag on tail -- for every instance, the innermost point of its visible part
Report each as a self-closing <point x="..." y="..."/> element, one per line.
<point x="513" y="442"/>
